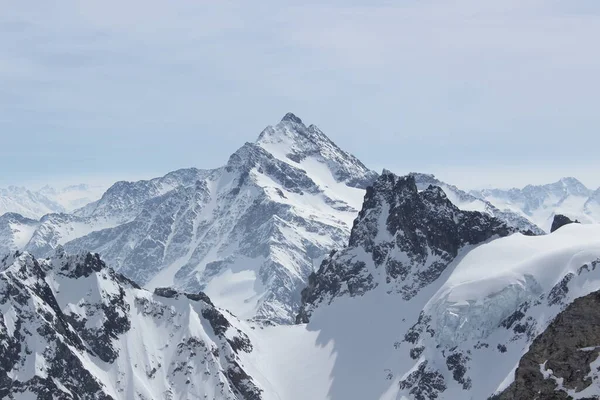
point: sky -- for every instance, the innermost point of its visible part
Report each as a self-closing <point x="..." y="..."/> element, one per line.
<point x="481" y="93"/>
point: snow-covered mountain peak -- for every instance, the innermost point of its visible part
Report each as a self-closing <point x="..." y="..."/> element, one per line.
<point x="248" y="233"/>
<point x="539" y="203"/>
<point x="564" y="186"/>
<point x="290" y="134"/>
<point x="574" y="185"/>
<point x="294" y="143"/>
<point x="290" y="117"/>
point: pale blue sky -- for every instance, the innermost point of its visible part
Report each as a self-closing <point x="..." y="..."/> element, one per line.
<point x="501" y="93"/>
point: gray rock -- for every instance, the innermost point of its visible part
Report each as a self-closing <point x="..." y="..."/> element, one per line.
<point x="411" y="236"/>
<point x="567" y="347"/>
<point x="559" y="221"/>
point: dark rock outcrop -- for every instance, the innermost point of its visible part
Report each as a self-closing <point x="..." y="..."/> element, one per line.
<point x="561" y="220"/>
<point x="70" y="314"/>
<point x="409" y="238"/>
<point x="564" y="351"/>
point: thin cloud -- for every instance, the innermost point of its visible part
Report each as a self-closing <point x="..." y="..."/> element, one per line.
<point x="87" y="84"/>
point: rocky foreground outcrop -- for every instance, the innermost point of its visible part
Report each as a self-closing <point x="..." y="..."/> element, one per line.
<point x="563" y="362"/>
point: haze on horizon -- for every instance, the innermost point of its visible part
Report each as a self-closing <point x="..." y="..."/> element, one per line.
<point x="499" y="94"/>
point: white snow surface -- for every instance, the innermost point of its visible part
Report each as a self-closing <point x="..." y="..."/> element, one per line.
<point x="37" y="203"/>
<point x="167" y="350"/>
<point x="27" y="203"/>
<point x="539" y="203"/>
<point x="464" y="310"/>
<point x="354" y="348"/>
<point x="74" y="196"/>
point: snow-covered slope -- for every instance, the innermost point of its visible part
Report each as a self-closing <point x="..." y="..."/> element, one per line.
<point x="426" y="301"/>
<point x="15" y="232"/>
<point x="248" y="234"/>
<point x="73" y="329"/>
<point x="420" y="323"/>
<point x="54" y="230"/>
<point x="539" y="203"/>
<point x="123" y="200"/>
<point x="35" y="204"/>
<point x="74" y="196"/>
<point x="487" y="317"/>
<point x="27" y="203"/>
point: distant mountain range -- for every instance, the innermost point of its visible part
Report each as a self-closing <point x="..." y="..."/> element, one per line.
<point x="425" y="301"/>
<point x="251" y="232"/>
<point x="35" y="204"/>
<point x="540" y="203"/>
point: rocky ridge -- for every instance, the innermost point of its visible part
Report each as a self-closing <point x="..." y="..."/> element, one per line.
<point x="564" y="361"/>
<point x="403" y="239"/>
<point x="74" y="329"/>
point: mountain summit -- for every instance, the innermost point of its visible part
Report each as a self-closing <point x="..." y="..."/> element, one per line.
<point x="248" y="233"/>
<point x="290" y="117"/>
<point x="292" y="142"/>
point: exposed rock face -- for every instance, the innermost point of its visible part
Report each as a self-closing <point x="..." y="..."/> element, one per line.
<point x="267" y="218"/>
<point x="468" y="202"/>
<point x="562" y="362"/>
<point x="72" y="328"/>
<point x="402" y="239"/>
<point x="560" y="221"/>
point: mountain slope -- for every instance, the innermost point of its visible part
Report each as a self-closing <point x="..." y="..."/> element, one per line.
<point x="27" y="203"/>
<point x="249" y="233"/>
<point x="73" y="328"/>
<point x="402" y="241"/>
<point x="35" y="204"/>
<point x="469" y="202"/>
<point x="539" y="203"/>
<point x="562" y="363"/>
<point x="426" y="301"/>
<point x="74" y="196"/>
<point x="123" y="200"/>
<point x="15" y="232"/>
<point x="437" y="326"/>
